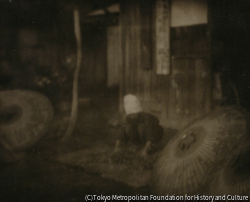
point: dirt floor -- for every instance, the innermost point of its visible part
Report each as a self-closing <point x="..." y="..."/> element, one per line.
<point x="56" y="171"/>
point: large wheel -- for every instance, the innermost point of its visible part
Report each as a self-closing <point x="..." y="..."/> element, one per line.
<point x="186" y="163"/>
<point x="24" y="118"/>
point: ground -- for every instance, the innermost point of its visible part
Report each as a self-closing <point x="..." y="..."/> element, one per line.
<point x="45" y="174"/>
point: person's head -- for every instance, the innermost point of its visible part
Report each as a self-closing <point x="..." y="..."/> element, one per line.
<point x="131" y="104"/>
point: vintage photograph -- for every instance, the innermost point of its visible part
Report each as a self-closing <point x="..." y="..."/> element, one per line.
<point x="133" y="100"/>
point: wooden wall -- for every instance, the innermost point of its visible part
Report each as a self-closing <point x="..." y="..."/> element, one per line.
<point x="138" y="74"/>
<point x="190" y="89"/>
<point x="93" y="74"/>
<point x="230" y="49"/>
<point x="113" y="55"/>
<point x="181" y="95"/>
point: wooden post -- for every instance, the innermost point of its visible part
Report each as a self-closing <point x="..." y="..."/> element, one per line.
<point x="74" y="108"/>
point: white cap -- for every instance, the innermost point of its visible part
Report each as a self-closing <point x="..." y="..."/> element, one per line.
<point x="131" y="104"/>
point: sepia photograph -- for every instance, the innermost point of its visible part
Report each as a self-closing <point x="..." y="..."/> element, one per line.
<point x="124" y="100"/>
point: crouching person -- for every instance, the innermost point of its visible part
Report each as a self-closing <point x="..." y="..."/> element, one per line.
<point x="139" y="127"/>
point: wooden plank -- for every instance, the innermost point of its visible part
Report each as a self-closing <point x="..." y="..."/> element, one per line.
<point x="123" y="21"/>
<point x="131" y="39"/>
<point x="155" y="95"/>
<point x="140" y="83"/>
<point x="113" y="55"/>
<point x="137" y="44"/>
<point x="188" y="85"/>
<point x="160" y="94"/>
<point x="100" y="57"/>
<point x="203" y="95"/>
<point x="146" y="33"/>
<point x="174" y="91"/>
<point x="147" y="85"/>
<point x="139" y="67"/>
<point x="191" y="92"/>
<point x="139" y="71"/>
<point x="145" y="7"/>
<point x="182" y="91"/>
<point x="128" y="49"/>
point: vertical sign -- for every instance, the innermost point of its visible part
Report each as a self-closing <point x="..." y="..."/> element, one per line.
<point x="162" y="37"/>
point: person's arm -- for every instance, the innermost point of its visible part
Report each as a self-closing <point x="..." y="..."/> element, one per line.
<point x="117" y="146"/>
<point x="146" y="149"/>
